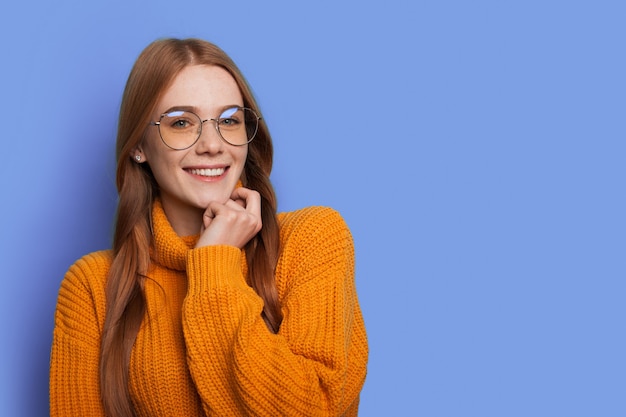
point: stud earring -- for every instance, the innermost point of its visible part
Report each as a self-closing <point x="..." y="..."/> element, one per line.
<point x="138" y="158"/>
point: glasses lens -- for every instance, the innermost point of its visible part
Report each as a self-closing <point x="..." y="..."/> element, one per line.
<point x="238" y="125"/>
<point x="180" y="129"/>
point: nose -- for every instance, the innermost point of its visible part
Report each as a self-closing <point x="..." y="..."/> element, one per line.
<point x="210" y="140"/>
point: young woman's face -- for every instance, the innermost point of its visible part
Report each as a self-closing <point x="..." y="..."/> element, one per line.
<point x="209" y="170"/>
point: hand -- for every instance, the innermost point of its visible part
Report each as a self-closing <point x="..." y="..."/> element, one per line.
<point x="233" y="223"/>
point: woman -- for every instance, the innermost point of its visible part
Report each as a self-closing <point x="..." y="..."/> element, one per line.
<point x="209" y="302"/>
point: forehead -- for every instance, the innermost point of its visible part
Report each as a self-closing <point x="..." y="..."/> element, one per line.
<point x="203" y="87"/>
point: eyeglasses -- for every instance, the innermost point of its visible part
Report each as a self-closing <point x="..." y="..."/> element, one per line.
<point x="181" y="129"/>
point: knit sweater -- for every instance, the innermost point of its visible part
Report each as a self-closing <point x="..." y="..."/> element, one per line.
<point x="203" y="347"/>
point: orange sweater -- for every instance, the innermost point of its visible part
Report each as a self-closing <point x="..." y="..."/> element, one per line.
<point x="203" y="348"/>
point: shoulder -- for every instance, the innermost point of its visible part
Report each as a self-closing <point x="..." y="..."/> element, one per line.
<point x="314" y="233"/>
<point x="81" y="300"/>
<point x="95" y="263"/>
<point x="87" y="273"/>
<point x="316" y="247"/>
<point x="312" y="222"/>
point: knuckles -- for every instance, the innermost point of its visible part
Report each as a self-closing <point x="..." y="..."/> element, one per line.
<point x="230" y="224"/>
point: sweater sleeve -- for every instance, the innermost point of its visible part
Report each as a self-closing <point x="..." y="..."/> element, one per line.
<point x="74" y="385"/>
<point x="315" y="365"/>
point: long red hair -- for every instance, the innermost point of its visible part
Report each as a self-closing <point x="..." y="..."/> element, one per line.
<point x="152" y="73"/>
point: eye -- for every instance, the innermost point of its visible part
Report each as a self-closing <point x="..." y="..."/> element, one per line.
<point x="229" y="122"/>
<point x="231" y="118"/>
<point x="180" y="123"/>
<point x="180" y="120"/>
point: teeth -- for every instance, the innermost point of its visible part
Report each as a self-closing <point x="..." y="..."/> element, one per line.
<point x="215" y="172"/>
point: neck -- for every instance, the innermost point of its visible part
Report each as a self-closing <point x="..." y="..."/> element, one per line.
<point x="185" y="220"/>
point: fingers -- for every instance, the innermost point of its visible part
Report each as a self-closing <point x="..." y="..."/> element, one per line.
<point x="236" y="205"/>
<point x="249" y="199"/>
<point x="233" y="223"/>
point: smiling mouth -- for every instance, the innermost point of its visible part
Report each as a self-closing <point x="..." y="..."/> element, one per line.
<point x="213" y="172"/>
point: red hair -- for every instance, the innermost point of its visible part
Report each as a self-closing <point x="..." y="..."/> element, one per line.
<point x="153" y="72"/>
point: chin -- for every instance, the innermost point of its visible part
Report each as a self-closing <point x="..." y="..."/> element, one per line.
<point x="204" y="201"/>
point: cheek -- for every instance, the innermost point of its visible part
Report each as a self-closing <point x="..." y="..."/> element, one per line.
<point x="239" y="156"/>
<point x="162" y="163"/>
<point x="157" y="154"/>
<point x="147" y="147"/>
<point x="242" y="162"/>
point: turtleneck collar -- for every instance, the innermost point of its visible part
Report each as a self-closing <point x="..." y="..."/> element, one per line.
<point x="170" y="250"/>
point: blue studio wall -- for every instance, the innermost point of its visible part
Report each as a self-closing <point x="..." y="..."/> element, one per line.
<point x="476" y="150"/>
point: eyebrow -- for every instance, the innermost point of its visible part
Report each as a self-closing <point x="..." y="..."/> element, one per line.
<point x="194" y="109"/>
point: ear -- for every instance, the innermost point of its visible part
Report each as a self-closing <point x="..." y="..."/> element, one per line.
<point x="138" y="156"/>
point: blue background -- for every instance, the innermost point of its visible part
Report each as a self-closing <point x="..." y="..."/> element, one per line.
<point x="476" y="149"/>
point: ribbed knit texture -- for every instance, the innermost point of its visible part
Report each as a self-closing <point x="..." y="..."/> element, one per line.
<point x="203" y="347"/>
